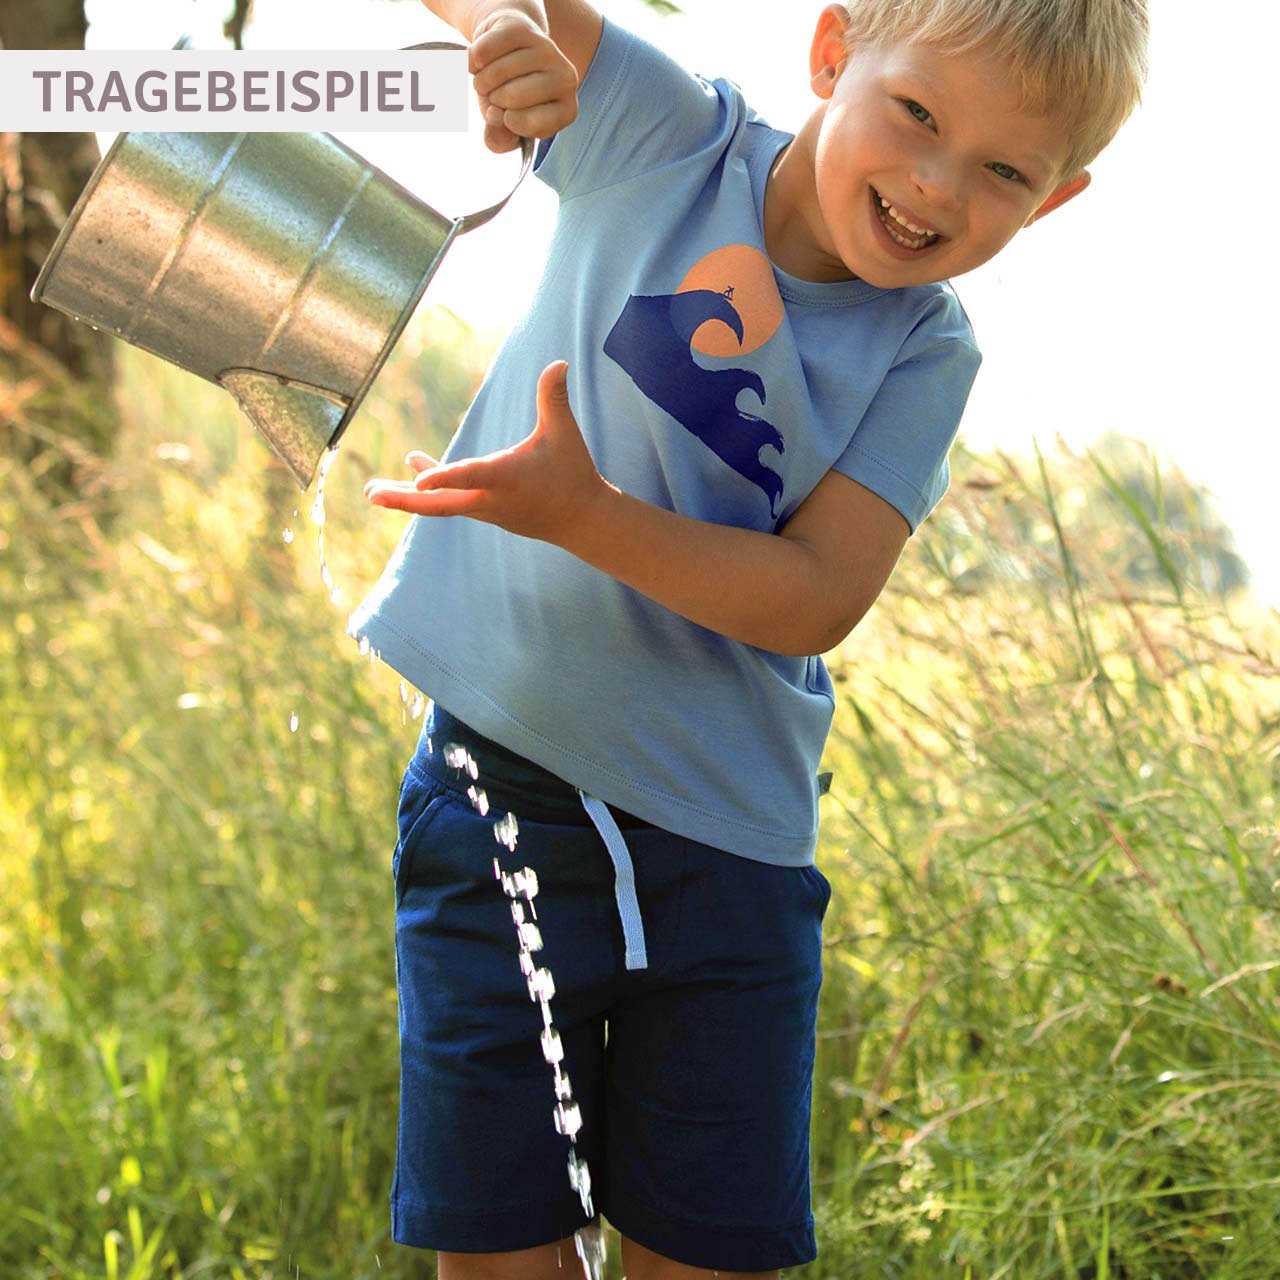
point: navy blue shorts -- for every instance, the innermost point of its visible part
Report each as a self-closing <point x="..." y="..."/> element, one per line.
<point x="687" y="1030"/>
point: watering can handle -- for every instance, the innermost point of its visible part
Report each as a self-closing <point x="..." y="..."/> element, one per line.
<point x="473" y="220"/>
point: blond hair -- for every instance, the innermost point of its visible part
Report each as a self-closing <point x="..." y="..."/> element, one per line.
<point x="1079" y="62"/>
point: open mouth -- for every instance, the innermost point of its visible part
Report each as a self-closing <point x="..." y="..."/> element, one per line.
<point x="901" y="236"/>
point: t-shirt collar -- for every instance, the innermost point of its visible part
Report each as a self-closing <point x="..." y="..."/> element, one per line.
<point x="768" y="142"/>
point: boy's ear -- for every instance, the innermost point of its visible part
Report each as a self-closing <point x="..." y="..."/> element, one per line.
<point x="1061" y="195"/>
<point x="827" y="53"/>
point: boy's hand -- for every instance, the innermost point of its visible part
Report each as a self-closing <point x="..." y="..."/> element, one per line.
<point x="526" y="86"/>
<point x="543" y="487"/>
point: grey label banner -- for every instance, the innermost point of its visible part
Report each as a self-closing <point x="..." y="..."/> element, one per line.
<point x="214" y="91"/>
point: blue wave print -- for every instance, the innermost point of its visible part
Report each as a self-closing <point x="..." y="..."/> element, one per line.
<point x="653" y="341"/>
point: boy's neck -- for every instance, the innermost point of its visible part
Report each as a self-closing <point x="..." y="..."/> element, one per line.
<point x="790" y="202"/>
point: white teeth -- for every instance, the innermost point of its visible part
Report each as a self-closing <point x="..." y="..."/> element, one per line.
<point x="902" y="222"/>
<point x="910" y="226"/>
<point x="891" y="221"/>
<point x="902" y="240"/>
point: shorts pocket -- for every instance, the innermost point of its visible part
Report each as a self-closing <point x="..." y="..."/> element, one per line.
<point x="419" y="803"/>
<point x="824" y="887"/>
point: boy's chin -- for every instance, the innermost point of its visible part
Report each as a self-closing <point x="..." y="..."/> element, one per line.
<point x="886" y="272"/>
<point x="946" y="266"/>
<point x="887" y="276"/>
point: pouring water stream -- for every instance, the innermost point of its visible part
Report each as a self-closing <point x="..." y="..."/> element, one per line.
<point x="185" y="219"/>
<point x="521" y="887"/>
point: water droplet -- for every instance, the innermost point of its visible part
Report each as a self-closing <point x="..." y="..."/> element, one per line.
<point x="541" y="984"/>
<point x="288" y="536"/>
<point x="552" y="1049"/>
<point x="568" y="1118"/>
<point x="318" y="518"/>
<point x="589" y="1242"/>
<point x="504" y="832"/>
<point x="293" y="723"/>
<point x="563" y="1090"/>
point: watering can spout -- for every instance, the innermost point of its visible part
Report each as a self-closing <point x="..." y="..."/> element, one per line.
<point x="298" y="421"/>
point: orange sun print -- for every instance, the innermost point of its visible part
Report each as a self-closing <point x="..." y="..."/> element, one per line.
<point x="743" y="274"/>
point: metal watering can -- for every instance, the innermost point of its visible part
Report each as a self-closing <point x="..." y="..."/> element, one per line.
<point x="281" y="266"/>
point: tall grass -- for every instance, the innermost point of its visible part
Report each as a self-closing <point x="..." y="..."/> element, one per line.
<point x="1050" y="1021"/>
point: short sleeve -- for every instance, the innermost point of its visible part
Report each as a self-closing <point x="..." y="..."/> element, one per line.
<point x="899" y="449"/>
<point x="638" y="109"/>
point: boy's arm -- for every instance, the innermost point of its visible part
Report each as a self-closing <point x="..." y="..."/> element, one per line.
<point x="573" y="25"/>
<point x="798" y="592"/>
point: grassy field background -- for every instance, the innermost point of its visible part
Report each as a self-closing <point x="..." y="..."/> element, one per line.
<point x="1050" y="1029"/>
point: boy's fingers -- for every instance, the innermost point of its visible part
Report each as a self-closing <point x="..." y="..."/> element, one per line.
<point x="529" y="91"/>
<point x="499" y="139"/>
<point x="519" y="62"/>
<point x="381" y="486"/>
<point x="470" y="473"/>
<point x="502" y="37"/>
<point x="539" y="122"/>
<point x="402" y="492"/>
<point x="439" y="502"/>
<point x="418" y="460"/>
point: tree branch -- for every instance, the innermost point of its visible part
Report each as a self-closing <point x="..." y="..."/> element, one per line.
<point x="234" y="26"/>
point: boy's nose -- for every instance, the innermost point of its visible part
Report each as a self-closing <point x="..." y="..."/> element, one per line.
<point x="938" y="189"/>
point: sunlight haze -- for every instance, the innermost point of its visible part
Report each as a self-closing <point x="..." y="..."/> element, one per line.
<point x="1137" y="307"/>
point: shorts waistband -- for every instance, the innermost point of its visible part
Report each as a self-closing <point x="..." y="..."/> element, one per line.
<point x="516" y="784"/>
<point x="529" y="791"/>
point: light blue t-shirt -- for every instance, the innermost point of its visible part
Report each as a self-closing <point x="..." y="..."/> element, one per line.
<point x="705" y="380"/>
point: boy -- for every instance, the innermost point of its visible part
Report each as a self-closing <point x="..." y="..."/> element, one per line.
<point x="625" y="630"/>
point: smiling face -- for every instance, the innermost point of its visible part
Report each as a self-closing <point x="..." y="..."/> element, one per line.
<point x="935" y="137"/>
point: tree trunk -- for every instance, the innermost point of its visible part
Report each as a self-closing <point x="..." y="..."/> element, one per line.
<point x="56" y="415"/>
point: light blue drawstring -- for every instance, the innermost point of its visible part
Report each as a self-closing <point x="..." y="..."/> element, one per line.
<point x="625" y="882"/>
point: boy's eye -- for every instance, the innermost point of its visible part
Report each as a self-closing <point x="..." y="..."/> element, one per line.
<point x="920" y="113"/>
<point x="924" y="116"/>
